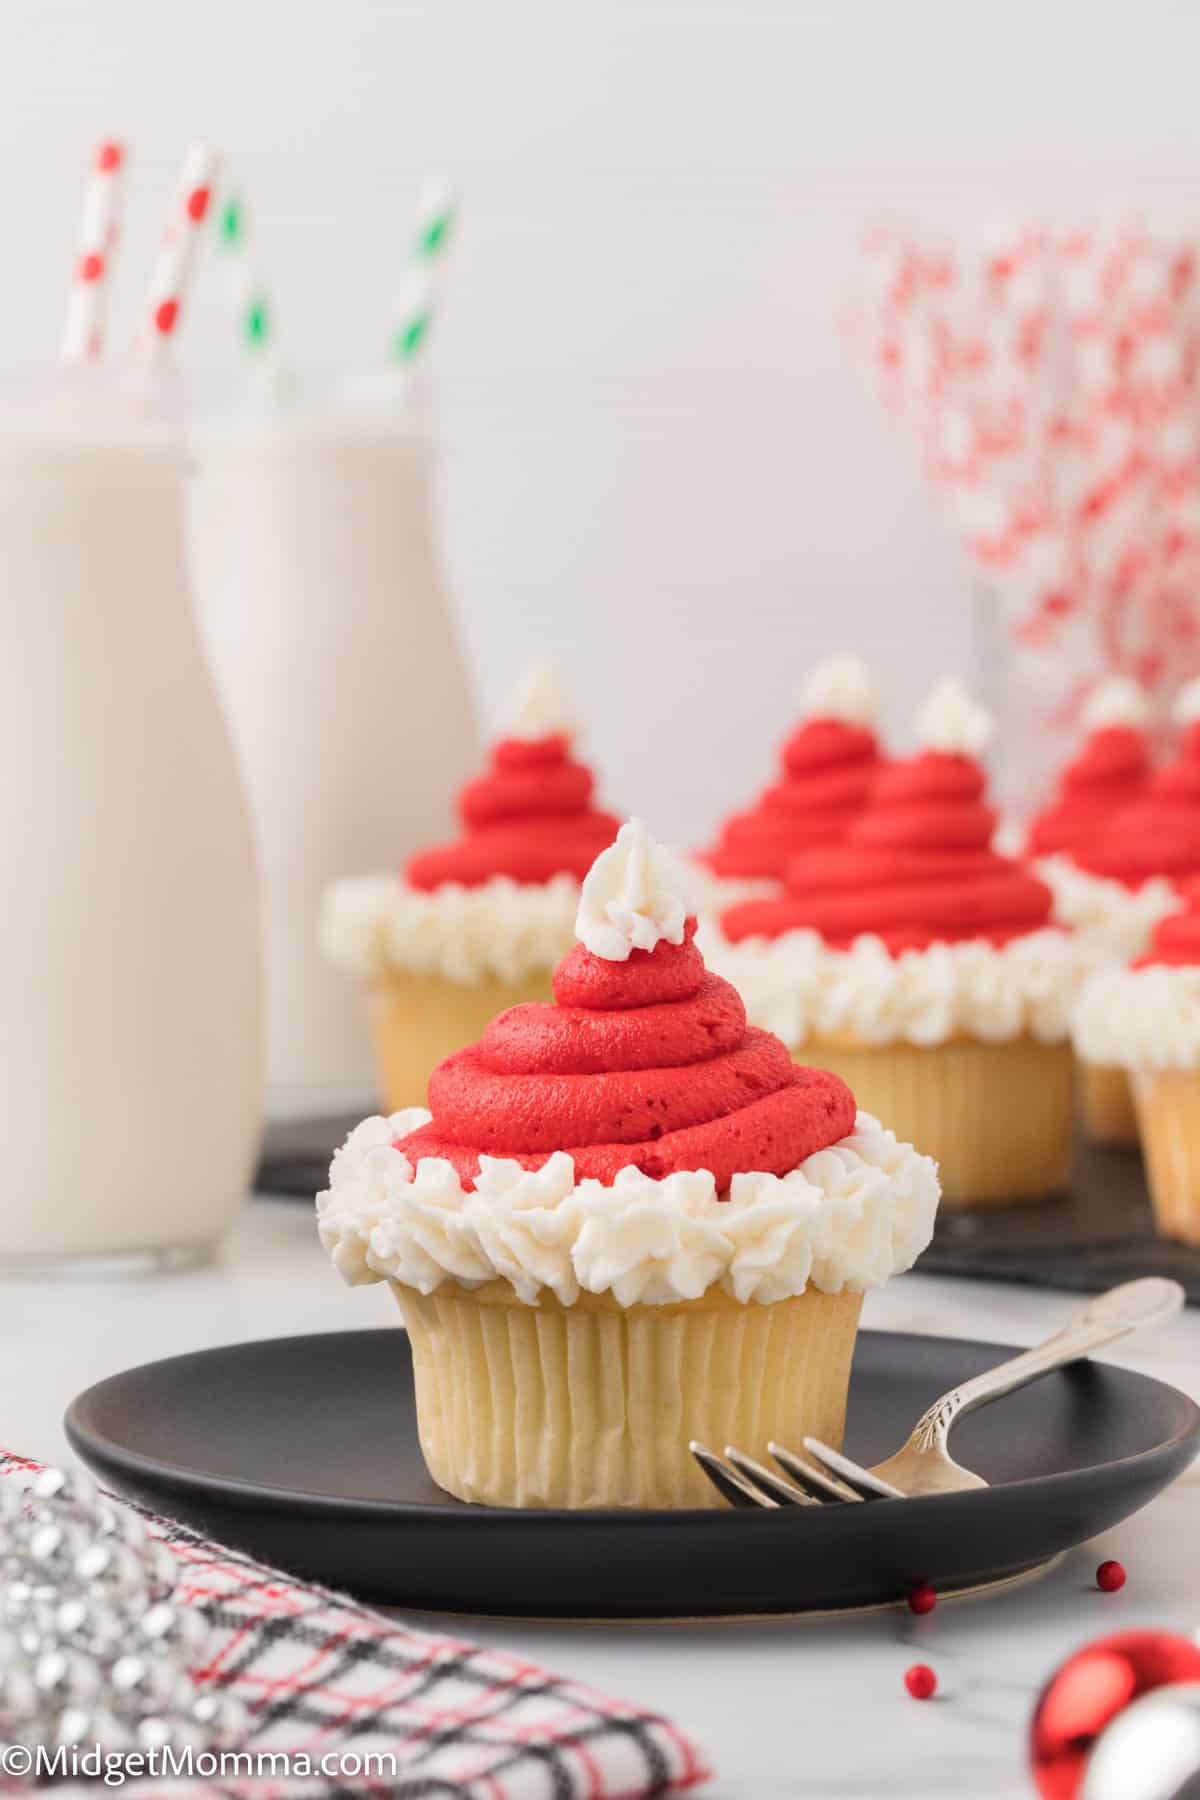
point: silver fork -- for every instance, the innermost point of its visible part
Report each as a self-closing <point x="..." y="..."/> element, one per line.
<point x="923" y="1464"/>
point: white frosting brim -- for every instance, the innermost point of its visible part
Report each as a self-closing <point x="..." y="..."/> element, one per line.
<point x="849" y="1216"/>
<point x="1140" y="1018"/>
<point x="1119" y="918"/>
<point x="798" y="987"/>
<point x="375" y="923"/>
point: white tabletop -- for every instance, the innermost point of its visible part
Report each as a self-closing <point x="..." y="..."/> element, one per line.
<point x="817" y="1708"/>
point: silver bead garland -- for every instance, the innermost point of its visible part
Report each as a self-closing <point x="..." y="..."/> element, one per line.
<point x="94" y="1649"/>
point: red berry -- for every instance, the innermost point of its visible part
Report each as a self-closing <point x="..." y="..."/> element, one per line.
<point x="108" y="156"/>
<point x="91" y="266"/>
<point x="923" y="1599"/>
<point x="1110" y="1576"/>
<point x="920" y="1681"/>
<point x="165" y="315"/>
<point x="197" y="203"/>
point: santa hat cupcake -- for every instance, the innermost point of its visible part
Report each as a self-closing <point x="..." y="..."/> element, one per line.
<point x="1110" y="771"/>
<point x="1145" y="1022"/>
<point x="477" y="924"/>
<point x="920" y="963"/>
<point x="826" y="769"/>
<point x="627" y="1221"/>
<point x="1121" y="881"/>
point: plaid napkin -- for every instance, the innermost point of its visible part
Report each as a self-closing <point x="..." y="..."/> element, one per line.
<point x="320" y="1674"/>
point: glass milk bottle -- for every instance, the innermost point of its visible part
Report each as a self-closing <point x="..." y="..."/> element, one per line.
<point x="329" y="630"/>
<point x="129" y="961"/>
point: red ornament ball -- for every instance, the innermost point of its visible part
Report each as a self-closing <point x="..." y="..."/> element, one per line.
<point x="1088" y="1692"/>
<point x="920" y="1681"/>
<point x="1110" y="1576"/>
<point x="165" y="315"/>
<point x="923" y="1599"/>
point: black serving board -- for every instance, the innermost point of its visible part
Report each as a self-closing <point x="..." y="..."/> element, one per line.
<point x="1085" y="1241"/>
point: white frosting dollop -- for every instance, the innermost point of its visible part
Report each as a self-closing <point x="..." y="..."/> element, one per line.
<point x="798" y="987"/>
<point x="952" y="723"/>
<point x="1140" y="1018"/>
<point x="1118" y="700"/>
<point x="1186" y="710"/>
<point x="841" y="687"/>
<point x="634" y="896"/>
<point x="1106" y="912"/>
<point x="538" y="707"/>
<point x="849" y="1216"/>
<point x="375" y="923"/>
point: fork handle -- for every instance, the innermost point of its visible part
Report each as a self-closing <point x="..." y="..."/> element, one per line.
<point x="1150" y="1301"/>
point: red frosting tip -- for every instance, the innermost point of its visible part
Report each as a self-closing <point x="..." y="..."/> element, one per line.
<point x="647" y="1064"/>
<point x="1109" y="772"/>
<point x="529" y="816"/>
<point x="915" y="869"/>
<point x="1158" y="833"/>
<point x="827" y="767"/>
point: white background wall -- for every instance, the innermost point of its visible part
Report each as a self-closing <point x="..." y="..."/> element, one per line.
<point x="660" y="460"/>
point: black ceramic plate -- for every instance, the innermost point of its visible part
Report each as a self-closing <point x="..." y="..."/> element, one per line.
<point x="303" y="1451"/>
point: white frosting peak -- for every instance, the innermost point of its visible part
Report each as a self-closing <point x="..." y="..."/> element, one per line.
<point x="841" y="687"/>
<point x="538" y="707"/>
<point x="951" y="722"/>
<point x="1117" y="701"/>
<point x="634" y="897"/>
<point x="1186" y="710"/>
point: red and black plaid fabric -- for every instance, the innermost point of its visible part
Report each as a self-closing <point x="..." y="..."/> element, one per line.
<point x="320" y="1675"/>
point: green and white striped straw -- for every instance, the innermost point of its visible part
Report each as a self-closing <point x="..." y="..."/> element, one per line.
<point x="255" y="320"/>
<point x="422" y="283"/>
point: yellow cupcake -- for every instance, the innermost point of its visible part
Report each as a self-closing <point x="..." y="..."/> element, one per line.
<point x="918" y="963"/>
<point x="692" y="1268"/>
<point x="472" y="927"/>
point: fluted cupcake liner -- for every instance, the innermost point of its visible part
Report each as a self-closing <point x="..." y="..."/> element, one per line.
<point x="594" y="1404"/>
<point x="419" y="1019"/>
<point x="996" y="1117"/>
<point x="1168" y="1109"/>
<point x="1106" y="1104"/>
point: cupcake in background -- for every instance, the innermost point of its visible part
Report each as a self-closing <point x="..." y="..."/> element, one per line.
<point x="1145" y="1020"/>
<point x="921" y="965"/>
<point x="1110" y="772"/>
<point x="1123" y="878"/>
<point x="826" y="769"/>
<point x="627" y="1222"/>
<point x="476" y="925"/>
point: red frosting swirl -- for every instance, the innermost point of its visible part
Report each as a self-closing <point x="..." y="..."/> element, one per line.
<point x="646" y="1064"/>
<point x="1159" y="834"/>
<point x="828" y="766"/>
<point x="1110" y="771"/>
<point x="917" y="868"/>
<point x="528" y="816"/>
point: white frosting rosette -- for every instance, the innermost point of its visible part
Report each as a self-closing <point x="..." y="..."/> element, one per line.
<point x="372" y="924"/>
<point x="849" y="1217"/>
<point x="1115" y="917"/>
<point x="1140" y="1018"/>
<point x="798" y="987"/>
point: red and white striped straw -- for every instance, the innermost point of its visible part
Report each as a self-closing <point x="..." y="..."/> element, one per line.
<point x="83" y="328"/>
<point x="170" y="278"/>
